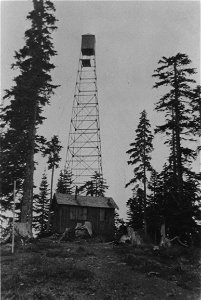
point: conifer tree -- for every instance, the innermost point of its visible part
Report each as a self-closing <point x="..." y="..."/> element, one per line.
<point x="41" y="207"/>
<point x="60" y="188"/>
<point x="196" y="113"/>
<point x="29" y="95"/>
<point x="196" y="110"/>
<point x="52" y="150"/>
<point x="64" y="184"/>
<point x="140" y="157"/>
<point x="135" y="206"/>
<point x="90" y="188"/>
<point x="175" y="73"/>
<point x="97" y="186"/>
<point x="180" y="220"/>
<point x="155" y="203"/>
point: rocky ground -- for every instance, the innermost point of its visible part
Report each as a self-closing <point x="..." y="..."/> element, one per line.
<point x="83" y="270"/>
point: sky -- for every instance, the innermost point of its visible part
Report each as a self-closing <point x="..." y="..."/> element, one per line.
<point x="131" y="37"/>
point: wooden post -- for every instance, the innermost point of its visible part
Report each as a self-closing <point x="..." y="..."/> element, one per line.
<point x="13" y="229"/>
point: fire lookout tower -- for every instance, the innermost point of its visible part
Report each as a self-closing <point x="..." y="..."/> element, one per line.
<point x="84" y="144"/>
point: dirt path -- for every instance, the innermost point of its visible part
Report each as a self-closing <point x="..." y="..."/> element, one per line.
<point x="74" y="271"/>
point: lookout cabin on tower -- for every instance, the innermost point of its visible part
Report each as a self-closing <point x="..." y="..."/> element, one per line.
<point x="88" y="44"/>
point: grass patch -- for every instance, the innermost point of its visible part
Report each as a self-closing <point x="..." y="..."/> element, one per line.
<point x="57" y="253"/>
<point x="40" y="294"/>
<point x="123" y="249"/>
<point x="171" y="253"/>
<point x="6" y="250"/>
<point x="32" y="248"/>
<point x="176" y="263"/>
<point x="51" y="270"/>
<point x="58" y="271"/>
<point x="11" y="281"/>
<point x="67" y="253"/>
<point x="43" y="245"/>
<point x="84" y="252"/>
<point x="133" y="260"/>
<point x="37" y="271"/>
<point x="80" y="274"/>
<point x="34" y="260"/>
<point x="81" y="249"/>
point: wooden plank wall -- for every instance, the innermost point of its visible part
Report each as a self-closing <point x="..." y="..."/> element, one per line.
<point x="104" y="228"/>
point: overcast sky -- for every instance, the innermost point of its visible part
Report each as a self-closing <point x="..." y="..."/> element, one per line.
<point x="130" y="39"/>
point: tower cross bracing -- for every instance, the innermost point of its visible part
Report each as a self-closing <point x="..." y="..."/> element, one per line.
<point x="84" y="157"/>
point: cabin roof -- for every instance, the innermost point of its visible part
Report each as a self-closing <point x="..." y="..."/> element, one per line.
<point x="89" y="201"/>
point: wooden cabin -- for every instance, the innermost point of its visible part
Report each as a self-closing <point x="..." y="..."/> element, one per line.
<point x="68" y="210"/>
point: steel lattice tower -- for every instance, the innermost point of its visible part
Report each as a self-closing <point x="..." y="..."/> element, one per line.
<point x="84" y="144"/>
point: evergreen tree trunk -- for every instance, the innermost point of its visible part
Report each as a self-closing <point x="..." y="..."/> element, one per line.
<point x="27" y="200"/>
<point x="144" y="183"/>
<point x="173" y="148"/>
<point x="177" y="135"/>
<point x="51" y="188"/>
<point x="1" y="154"/>
<point x="42" y="218"/>
<point x="145" y="203"/>
<point x="52" y="150"/>
<point x="200" y="114"/>
<point x="140" y="157"/>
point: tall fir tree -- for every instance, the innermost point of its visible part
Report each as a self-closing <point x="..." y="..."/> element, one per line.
<point x="52" y="150"/>
<point x="41" y="207"/>
<point x="140" y="157"/>
<point x="28" y="97"/>
<point x="174" y="74"/>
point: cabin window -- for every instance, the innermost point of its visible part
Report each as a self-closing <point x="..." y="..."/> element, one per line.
<point x="102" y="214"/>
<point x="78" y="213"/>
